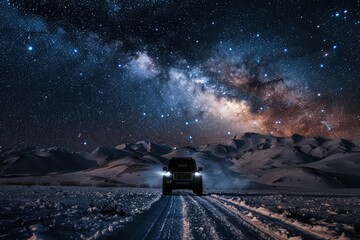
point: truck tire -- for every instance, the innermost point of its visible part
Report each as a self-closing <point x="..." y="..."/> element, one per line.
<point x="198" y="189"/>
<point x="166" y="190"/>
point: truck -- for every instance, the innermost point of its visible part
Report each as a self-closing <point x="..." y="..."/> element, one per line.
<point x="182" y="173"/>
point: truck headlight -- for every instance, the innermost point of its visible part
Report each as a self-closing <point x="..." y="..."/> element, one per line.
<point x="197" y="174"/>
<point x="167" y="174"/>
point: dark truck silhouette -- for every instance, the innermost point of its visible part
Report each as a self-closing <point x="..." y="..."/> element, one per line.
<point x="182" y="173"/>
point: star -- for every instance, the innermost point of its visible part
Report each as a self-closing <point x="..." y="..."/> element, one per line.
<point x="114" y="71"/>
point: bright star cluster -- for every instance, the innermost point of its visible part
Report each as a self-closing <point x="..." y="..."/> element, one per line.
<point x="79" y="74"/>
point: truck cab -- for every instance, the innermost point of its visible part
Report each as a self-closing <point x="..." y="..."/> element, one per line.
<point x="182" y="173"/>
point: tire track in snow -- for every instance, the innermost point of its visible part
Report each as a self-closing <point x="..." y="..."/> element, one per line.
<point x="229" y="225"/>
<point x="185" y="220"/>
<point x="168" y="223"/>
<point x="158" y="223"/>
<point x="265" y="215"/>
<point x="161" y="221"/>
<point x="188" y="216"/>
<point x="204" y="227"/>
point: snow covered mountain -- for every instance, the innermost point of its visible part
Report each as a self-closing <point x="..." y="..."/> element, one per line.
<point x="253" y="160"/>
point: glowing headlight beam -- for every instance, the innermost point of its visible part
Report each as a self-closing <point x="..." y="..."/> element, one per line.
<point x="167" y="174"/>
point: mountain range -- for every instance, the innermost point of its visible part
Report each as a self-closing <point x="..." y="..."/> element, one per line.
<point x="250" y="161"/>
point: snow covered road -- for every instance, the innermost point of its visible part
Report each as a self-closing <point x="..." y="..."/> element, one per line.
<point x="95" y="213"/>
<point x="187" y="216"/>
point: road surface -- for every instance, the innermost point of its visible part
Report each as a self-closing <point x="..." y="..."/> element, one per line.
<point x="187" y="216"/>
<point x="41" y="212"/>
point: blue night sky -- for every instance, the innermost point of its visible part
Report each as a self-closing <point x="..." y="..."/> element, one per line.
<point x="79" y="74"/>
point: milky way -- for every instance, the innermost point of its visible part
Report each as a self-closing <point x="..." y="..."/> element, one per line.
<point x="79" y="74"/>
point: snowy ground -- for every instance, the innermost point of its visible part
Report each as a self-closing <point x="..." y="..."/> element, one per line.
<point x="69" y="212"/>
<point x="95" y="213"/>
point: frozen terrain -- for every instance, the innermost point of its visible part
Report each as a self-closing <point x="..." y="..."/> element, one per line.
<point x="256" y="187"/>
<point x="40" y="212"/>
<point x="250" y="161"/>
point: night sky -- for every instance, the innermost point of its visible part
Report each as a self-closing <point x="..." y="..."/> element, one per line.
<point x="79" y="74"/>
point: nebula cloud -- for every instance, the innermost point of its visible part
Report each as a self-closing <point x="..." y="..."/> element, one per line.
<point x="80" y="74"/>
<point x="235" y="94"/>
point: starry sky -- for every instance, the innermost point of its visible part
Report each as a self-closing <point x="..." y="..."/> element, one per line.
<point x="79" y="74"/>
